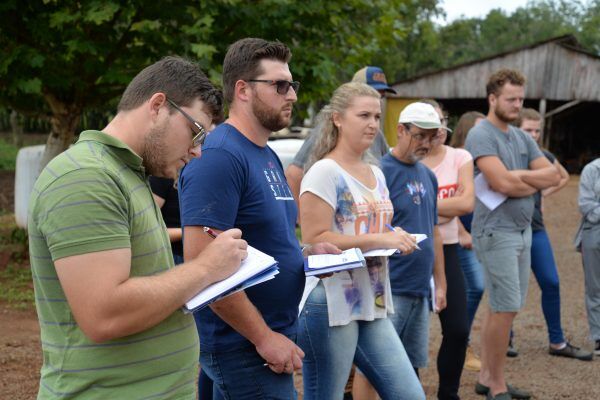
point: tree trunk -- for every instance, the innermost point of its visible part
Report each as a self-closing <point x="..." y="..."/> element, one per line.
<point x="16" y="126"/>
<point x="65" y="120"/>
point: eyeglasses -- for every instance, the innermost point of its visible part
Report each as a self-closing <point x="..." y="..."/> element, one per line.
<point x="198" y="136"/>
<point x="283" y="86"/>
<point x="422" y="137"/>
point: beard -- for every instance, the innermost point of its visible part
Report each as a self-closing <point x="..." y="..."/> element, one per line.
<point x="152" y="159"/>
<point x="504" y="116"/>
<point x="268" y="117"/>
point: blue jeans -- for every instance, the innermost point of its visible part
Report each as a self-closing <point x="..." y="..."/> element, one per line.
<point x="330" y="351"/>
<point x="473" y="273"/>
<point x="546" y="274"/>
<point x="411" y="322"/>
<point x="240" y="374"/>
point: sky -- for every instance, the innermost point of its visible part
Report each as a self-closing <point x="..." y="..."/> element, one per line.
<point x="476" y="8"/>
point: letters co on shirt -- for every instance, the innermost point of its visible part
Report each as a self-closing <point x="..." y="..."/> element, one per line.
<point x="445" y="192"/>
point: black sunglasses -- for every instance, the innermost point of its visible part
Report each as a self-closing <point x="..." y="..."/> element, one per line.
<point x="199" y="136"/>
<point x="283" y="86"/>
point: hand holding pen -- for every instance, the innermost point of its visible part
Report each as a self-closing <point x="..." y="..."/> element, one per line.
<point x="405" y="242"/>
<point x="224" y="254"/>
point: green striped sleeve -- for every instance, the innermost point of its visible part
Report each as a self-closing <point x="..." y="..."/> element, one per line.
<point x="84" y="211"/>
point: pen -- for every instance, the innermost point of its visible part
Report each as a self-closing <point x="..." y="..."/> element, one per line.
<point x="391" y="228"/>
<point x="210" y="232"/>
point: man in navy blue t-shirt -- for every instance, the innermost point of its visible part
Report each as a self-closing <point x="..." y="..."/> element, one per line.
<point x="247" y="340"/>
<point x="413" y="191"/>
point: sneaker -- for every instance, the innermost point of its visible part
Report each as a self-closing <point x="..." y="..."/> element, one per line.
<point x="597" y="348"/>
<point x="571" y="351"/>
<point x="512" y="350"/>
<point x="472" y="363"/>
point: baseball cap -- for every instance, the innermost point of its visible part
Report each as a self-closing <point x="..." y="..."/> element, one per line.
<point x="374" y="77"/>
<point x="422" y="115"/>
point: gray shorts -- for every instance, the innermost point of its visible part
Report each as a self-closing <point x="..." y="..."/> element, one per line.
<point x="506" y="260"/>
<point x="411" y="321"/>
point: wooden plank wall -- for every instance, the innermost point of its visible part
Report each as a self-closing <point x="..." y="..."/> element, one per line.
<point x="553" y="72"/>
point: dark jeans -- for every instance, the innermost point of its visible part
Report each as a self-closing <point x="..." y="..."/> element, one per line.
<point x="455" y="327"/>
<point x="241" y="375"/>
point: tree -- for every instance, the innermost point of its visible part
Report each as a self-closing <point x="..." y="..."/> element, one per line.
<point x="60" y="58"/>
<point x="468" y="39"/>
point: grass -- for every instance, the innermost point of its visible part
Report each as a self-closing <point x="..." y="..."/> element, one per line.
<point x="8" y="155"/>
<point x="16" y="287"/>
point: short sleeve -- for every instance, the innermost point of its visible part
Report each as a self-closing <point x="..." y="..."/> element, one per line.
<point x="210" y="189"/>
<point x="83" y="211"/>
<point x="549" y="156"/>
<point x="321" y="180"/>
<point x="462" y="157"/>
<point x="480" y="143"/>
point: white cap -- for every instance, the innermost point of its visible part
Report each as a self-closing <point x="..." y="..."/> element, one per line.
<point x="422" y="115"/>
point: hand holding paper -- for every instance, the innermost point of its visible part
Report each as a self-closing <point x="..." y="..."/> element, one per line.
<point x="419" y="237"/>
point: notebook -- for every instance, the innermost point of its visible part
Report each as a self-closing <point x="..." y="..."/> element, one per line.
<point x="258" y="267"/>
<point x="326" y="263"/>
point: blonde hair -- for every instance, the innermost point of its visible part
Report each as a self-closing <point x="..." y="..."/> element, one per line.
<point x="326" y="131"/>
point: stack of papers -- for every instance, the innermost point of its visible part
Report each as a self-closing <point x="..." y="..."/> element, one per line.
<point x="326" y="263"/>
<point x="258" y="267"/>
<point x="388" y="252"/>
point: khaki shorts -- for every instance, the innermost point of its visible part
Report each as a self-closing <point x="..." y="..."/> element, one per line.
<point x="506" y="260"/>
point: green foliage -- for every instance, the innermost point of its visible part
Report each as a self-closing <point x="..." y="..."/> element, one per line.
<point x="468" y="39"/>
<point x="16" y="286"/>
<point x="8" y="156"/>
<point x="70" y="57"/>
<point x="80" y="55"/>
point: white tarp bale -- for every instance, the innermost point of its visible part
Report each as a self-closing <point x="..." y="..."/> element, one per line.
<point x="26" y="173"/>
<point x="286" y="149"/>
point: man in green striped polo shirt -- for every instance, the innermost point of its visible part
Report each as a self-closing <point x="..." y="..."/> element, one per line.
<point x="107" y="295"/>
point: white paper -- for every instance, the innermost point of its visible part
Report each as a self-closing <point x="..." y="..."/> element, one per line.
<point x="486" y="195"/>
<point x="254" y="264"/>
<point x="349" y="256"/>
<point x="419" y="237"/>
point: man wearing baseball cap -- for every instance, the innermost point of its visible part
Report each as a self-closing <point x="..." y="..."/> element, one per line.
<point x="372" y="76"/>
<point x="413" y="190"/>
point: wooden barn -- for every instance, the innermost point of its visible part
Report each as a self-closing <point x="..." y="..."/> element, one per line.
<point x="563" y="84"/>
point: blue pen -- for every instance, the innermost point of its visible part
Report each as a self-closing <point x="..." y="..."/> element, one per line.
<point x="391" y="228"/>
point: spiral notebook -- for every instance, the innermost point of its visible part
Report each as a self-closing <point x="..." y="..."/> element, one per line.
<point x="257" y="268"/>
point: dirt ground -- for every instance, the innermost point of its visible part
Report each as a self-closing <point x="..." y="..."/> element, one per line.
<point x="547" y="377"/>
